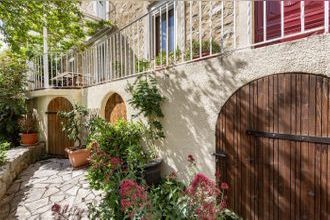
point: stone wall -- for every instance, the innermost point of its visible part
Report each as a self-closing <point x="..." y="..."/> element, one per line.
<point x="211" y="19"/>
<point x="122" y="13"/>
<point x="18" y="159"/>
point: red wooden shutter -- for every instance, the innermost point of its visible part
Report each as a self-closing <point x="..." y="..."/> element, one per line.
<point x="314" y="17"/>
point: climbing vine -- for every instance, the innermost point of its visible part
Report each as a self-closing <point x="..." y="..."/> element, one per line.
<point x="148" y="100"/>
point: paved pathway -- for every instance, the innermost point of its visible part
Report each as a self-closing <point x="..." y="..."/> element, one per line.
<point x="42" y="184"/>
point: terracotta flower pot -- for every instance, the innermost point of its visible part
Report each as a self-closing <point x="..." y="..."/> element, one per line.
<point x="78" y="157"/>
<point x="29" y="139"/>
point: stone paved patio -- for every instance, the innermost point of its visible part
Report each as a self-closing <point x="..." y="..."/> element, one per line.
<point x="44" y="183"/>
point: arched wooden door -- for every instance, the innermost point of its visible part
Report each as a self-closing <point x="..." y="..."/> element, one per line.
<point x="115" y="108"/>
<point x="57" y="139"/>
<point x="272" y="139"/>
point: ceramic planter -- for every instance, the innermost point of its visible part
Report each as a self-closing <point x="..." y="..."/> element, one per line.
<point x="152" y="172"/>
<point x="78" y="157"/>
<point x="29" y="139"/>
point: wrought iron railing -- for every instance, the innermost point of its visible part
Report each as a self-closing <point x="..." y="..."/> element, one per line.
<point x="177" y="32"/>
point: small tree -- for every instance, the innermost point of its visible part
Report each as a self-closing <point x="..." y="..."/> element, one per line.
<point x="75" y="124"/>
<point x="12" y="95"/>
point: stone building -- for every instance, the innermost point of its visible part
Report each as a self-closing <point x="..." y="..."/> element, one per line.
<point x="247" y="91"/>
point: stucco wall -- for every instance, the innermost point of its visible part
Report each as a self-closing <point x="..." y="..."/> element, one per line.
<point x="197" y="91"/>
<point x="40" y="100"/>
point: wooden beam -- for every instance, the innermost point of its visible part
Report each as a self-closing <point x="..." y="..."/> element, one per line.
<point x="289" y="137"/>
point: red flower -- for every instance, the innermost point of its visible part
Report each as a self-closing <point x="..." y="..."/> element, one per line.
<point x="172" y="175"/>
<point x="202" y="181"/>
<point x="217" y="174"/>
<point x="203" y="193"/>
<point x="133" y="196"/>
<point x="115" y="162"/>
<point x="223" y="204"/>
<point x="191" y="159"/>
<point x="56" y="208"/>
<point x="224" y="186"/>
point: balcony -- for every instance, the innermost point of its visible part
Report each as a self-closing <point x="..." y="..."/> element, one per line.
<point x="176" y="33"/>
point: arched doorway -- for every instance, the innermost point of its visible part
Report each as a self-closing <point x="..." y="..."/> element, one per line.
<point x="272" y="142"/>
<point x="115" y="108"/>
<point x="57" y="139"/>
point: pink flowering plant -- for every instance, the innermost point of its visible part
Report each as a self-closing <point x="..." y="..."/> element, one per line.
<point x="133" y="198"/>
<point x="206" y="200"/>
<point x="116" y="164"/>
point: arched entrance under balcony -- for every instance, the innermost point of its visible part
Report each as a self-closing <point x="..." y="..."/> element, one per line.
<point x="57" y="139"/>
<point x="115" y="108"/>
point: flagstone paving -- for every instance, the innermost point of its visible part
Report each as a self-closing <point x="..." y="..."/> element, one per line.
<point x="44" y="183"/>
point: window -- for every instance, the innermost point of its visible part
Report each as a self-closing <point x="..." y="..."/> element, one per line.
<point x="160" y="27"/>
<point x="101" y="10"/>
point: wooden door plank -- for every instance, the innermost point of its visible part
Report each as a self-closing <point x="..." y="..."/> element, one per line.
<point x="318" y="132"/>
<point x="272" y="178"/>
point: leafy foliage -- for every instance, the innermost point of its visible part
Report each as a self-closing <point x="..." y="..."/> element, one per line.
<point x="142" y="65"/>
<point x="12" y="95"/>
<point x="167" y="199"/>
<point x="147" y="99"/>
<point x="23" y="22"/>
<point x="161" y="57"/>
<point x="28" y="123"/>
<point x="116" y="154"/>
<point x="75" y="123"/>
<point x="4" y="146"/>
<point x="129" y="198"/>
<point x="92" y="27"/>
<point x="117" y="149"/>
<point x="205" y="48"/>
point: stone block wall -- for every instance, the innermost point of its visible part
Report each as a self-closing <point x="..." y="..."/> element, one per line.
<point x="123" y="13"/>
<point x="18" y="159"/>
<point x="211" y="21"/>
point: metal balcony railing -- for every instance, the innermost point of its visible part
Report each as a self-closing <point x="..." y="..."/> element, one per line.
<point x="177" y="32"/>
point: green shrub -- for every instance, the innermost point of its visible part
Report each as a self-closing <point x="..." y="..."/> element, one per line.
<point x="142" y="65"/>
<point x="12" y="95"/>
<point x="118" y="151"/>
<point x="28" y="123"/>
<point x="75" y="123"/>
<point x="168" y="200"/>
<point x="4" y="146"/>
<point x="161" y="57"/>
<point x="148" y="100"/>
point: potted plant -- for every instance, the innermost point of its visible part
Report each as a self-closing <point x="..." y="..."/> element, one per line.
<point x="206" y="49"/>
<point x="147" y="98"/>
<point x="29" y="129"/>
<point x="173" y="56"/>
<point x="75" y="124"/>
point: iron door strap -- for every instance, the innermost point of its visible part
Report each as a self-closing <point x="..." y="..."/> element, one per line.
<point x="51" y="113"/>
<point x="289" y="137"/>
<point x="220" y="154"/>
